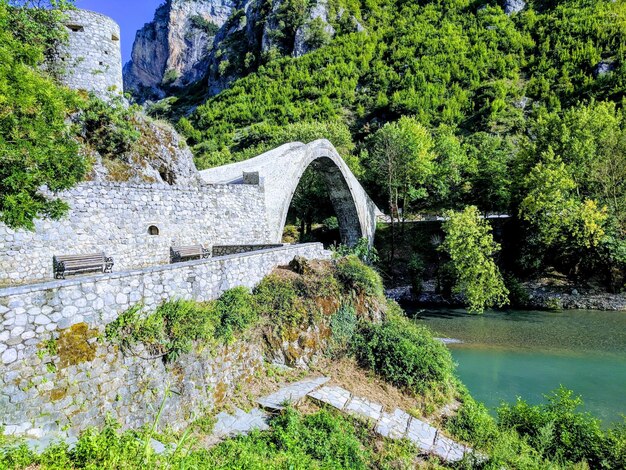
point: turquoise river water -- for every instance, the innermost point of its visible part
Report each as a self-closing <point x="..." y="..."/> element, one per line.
<point x="503" y="355"/>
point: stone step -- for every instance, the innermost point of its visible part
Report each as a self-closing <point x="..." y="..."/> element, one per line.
<point x="291" y="394"/>
<point x="393" y="425"/>
<point x="396" y="425"/>
<point x="364" y="408"/>
<point x="336" y="397"/>
<point x="422" y="434"/>
<point x="240" y="422"/>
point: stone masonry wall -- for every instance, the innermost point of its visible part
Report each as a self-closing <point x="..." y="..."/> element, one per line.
<point x="116" y="218"/>
<point x="223" y="250"/>
<point x="92" y="59"/>
<point x="44" y="389"/>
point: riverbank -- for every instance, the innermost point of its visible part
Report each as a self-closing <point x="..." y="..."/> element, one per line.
<point x="535" y="295"/>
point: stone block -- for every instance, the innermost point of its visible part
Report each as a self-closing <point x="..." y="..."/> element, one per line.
<point x="364" y="408"/>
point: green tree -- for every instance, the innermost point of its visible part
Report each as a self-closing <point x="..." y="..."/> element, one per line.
<point x="401" y="159"/>
<point x="558" y="215"/>
<point x="470" y="245"/>
<point x="36" y="145"/>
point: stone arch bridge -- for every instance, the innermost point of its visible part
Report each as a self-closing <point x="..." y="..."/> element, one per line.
<point x="279" y="172"/>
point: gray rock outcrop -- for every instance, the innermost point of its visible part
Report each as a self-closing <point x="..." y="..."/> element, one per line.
<point x="318" y="18"/>
<point x="161" y="156"/>
<point x="173" y="49"/>
<point x="604" y="67"/>
<point x="513" y="6"/>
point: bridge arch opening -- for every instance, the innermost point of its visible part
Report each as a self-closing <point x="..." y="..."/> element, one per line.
<point x="321" y="207"/>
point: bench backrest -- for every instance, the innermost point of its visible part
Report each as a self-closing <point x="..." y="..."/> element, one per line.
<point x="191" y="250"/>
<point x="81" y="260"/>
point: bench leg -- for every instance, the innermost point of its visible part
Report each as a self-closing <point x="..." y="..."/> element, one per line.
<point x="108" y="267"/>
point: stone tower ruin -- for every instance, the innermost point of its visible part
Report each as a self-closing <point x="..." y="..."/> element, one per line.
<point x="92" y="58"/>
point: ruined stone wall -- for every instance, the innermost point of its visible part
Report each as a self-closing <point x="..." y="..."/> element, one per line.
<point x="117" y="218"/>
<point x="92" y="59"/>
<point x="44" y="389"/>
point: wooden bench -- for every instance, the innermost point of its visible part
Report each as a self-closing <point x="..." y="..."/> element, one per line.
<point x="185" y="253"/>
<point x="76" y="264"/>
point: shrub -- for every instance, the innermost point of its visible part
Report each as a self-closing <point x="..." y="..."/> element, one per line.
<point x="168" y="332"/>
<point x="186" y="321"/>
<point x="108" y="127"/>
<point x="472" y="423"/>
<point x="416" y="273"/>
<point x="362" y="250"/>
<point x="356" y="276"/>
<point x="556" y="429"/>
<point x="277" y="299"/>
<point x="331" y="223"/>
<point x="235" y="311"/>
<point x="404" y="354"/>
<point x="518" y="295"/>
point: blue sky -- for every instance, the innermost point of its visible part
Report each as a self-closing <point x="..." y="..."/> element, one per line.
<point x="131" y="15"/>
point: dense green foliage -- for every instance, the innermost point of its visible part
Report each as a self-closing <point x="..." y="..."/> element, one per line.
<point x="108" y="127"/>
<point x="36" y="147"/>
<point x="359" y="277"/>
<point x="551" y="435"/>
<point x="471" y="249"/>
<point x="168" y="332"/>
<point x="173" y="327"/>
<point x="320" y="440"/>
<point x="405" y="354"/>
<point x="563" y="434"/>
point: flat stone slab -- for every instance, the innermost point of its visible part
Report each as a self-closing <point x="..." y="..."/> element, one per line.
<point x="448" y="450"/>
<point x="336" y="397"/>
<point x="291" y="394"/>
<point x="365" y="408"/>
<point x="240" y="423"/>
<point x="422" y="434"/>
<point x="393" y="425"/>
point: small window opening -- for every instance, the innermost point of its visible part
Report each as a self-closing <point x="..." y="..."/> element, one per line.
<point x="75" y="27"/>
<point x="115" y="37"/>
<point x="153" y="230"/>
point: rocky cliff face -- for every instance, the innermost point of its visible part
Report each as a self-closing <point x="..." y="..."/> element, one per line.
<point x="173" y="49"/>
<point x="220" y="41"/>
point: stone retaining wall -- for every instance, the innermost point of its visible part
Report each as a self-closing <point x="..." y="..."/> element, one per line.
<point x="44" y="389"/>
<point x="118" y="219"/>
<point x="224" y="250"/>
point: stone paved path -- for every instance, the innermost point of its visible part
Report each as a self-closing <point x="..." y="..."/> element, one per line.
<point x="239" y="423"/>
<point x="291" y="394"/>
<point x="396" y="425"/>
